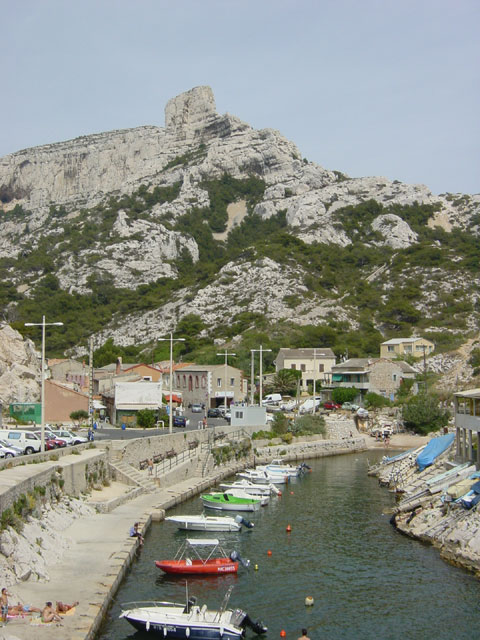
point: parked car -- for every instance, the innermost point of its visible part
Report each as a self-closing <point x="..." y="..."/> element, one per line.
<point x="25" y="440"/>
<point x="331" y="406"/>
<point x="51" y="440"/>
<point x="69" y="437"/>
<point x="214" y="413"/>
<point x="362" y="413"/>
<point x="196" y="408"/>
<point x="180" y="421"/>
<point x="350" y="406"/>
<point x="8" y="451"/>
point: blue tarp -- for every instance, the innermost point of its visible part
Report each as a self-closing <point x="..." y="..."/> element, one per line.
<point x="434" y="448"/>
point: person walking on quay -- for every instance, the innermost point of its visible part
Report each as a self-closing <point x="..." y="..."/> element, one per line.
<point x="304" y="635"/>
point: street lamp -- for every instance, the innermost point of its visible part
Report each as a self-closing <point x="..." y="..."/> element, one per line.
<point x="261" y="351"/>
<point x="170" y="412"/>
<point x="226" y="356"/>
<point x="314" y="380"/>
<point x="43" y="324"/>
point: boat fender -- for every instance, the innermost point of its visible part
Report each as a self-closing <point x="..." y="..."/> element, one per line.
<point x="187" y="632"/>
<point x="244" y="521"/>
<point x="147" y="626"/>
<point x="234" y="556"/>
<point x="164" y="631"/>
<point x="221" y="632"/>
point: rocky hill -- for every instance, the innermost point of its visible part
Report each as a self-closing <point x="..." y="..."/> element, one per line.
<point x="124" y="234"/>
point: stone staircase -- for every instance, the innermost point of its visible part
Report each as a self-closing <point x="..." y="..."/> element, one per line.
<point x="138" y="478"/>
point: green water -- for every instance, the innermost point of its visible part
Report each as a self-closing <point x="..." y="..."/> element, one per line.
<point x="366" y="579"/>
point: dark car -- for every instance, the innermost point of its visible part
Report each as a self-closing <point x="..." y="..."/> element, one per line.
<point x="214" y="413"/>
<point x="331" y="406"/>
<point x="180" y="421"/>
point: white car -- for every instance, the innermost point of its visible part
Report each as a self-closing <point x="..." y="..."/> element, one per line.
<point x="69" y="437"/>
<point x="8" y="451"/>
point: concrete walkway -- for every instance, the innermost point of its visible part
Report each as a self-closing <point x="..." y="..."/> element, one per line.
<point x="91" y="570"/>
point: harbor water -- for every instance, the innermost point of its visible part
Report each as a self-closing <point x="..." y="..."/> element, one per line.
<point x="366" y="580"/>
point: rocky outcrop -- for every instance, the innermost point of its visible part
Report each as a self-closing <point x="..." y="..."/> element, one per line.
<point x="27" y="555"/>
<point x="19" y="367"/>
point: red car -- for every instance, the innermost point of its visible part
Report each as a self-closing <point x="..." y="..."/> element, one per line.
<point x="51" y="442"/>
<point x="331" y="406"/>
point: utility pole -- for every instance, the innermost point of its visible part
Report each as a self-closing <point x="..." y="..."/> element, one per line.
<point x="90" y="384"/>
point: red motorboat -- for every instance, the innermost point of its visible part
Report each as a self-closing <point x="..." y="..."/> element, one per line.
<point x="189" y="560"/>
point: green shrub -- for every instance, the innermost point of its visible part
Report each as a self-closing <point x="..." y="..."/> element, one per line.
<point x="376" y="401"/>
<point x="423" y="413"/>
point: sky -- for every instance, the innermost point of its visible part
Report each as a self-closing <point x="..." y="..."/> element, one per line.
<point x="366" y="87"/>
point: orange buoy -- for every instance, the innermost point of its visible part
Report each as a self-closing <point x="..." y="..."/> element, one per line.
<point x="269" y="553"/>
<point x="289" y="528"/>
<point x="282" y="633"/>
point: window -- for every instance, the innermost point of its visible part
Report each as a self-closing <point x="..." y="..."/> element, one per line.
<point x="408" y="348"/>
<point x="204" y="381"/>
<point x="394" y="377"/>
<point x="302" y="367"/>
<point x="321" y="368"/>
<point x="196" y="382"/>
<point x="239" y="414"/>
<point x="293" y="366"/>
<point x="232" y="382"/>
<point x="390" y="348"/>
<point x="219" y="382"/>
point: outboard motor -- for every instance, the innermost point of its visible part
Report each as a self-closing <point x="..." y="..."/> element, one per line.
<point x="190" y="603"/>
<point x="234" y="556"/>
<point x="257" y="627"/>
<point x="245" y="522"/>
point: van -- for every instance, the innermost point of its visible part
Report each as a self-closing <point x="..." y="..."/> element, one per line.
<point x="25" y="440"/>
<point x="272" y="398"/>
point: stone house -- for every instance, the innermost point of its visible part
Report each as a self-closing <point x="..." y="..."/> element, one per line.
<point x="70" y="371"/>
<point x="467" y="424"/>
<point x="398" y="347"/>
<point x="378" y="375"/>
<point x="210" y="384"/>
<point x="314" y="363"/>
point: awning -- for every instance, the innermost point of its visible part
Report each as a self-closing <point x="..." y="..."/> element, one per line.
<point x="175" y="397"/>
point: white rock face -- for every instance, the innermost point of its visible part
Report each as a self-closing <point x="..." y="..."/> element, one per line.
<point x="41" y="544"/>
<point x="19" y="368"/>
<point x="396" y="232"/>
<point x="187" y="114"/>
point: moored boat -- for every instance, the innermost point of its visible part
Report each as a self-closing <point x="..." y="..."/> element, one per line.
<point x="226" y="502"/>
<point x="190" y="621"/>
<point x="210" y="523"/>
<point x="252" y="488"/>
<point x="188" y="559"/>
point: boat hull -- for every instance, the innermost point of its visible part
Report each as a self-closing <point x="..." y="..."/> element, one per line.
<point x="214" y="566"/>
<point x="234" y="505"/>
<point x="184" y="631"/>
<point x="211" y="523"/>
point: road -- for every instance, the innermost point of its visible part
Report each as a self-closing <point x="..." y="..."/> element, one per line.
<point x="105" y="431"/>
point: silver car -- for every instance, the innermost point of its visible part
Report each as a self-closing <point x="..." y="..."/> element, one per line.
<point x="7" y="451"/>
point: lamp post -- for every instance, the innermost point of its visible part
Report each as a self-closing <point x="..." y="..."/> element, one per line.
<point x="314" y="380"/>
<point x="170" y="412"/>
<point x="43" y="324"/>
<point x="252" y="379"/>
<point x="225" y="381"/>
<point x="261" y="351"/>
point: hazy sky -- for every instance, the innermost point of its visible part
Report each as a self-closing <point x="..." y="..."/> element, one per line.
<point x="367" y="87"/>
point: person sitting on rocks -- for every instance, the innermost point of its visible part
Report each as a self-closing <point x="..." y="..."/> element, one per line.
<point x="49" y="614"/>
<point x="63" y="608"/>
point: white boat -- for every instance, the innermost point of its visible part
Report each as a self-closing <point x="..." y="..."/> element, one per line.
<point x="210" y="523"/>
<point x="240" y="493"/>
<point x="259" y="476"/>
<point x="190" y="621"/>
<point x="251" y="487"/>
<point x="279" y="467"/>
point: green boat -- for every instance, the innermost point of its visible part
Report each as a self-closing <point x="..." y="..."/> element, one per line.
<point x="228" y="502"/>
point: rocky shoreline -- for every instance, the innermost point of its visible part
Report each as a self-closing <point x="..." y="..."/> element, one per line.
<point x="423" y="513"/>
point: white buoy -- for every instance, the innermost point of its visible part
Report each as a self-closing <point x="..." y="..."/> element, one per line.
<point x="308" y="601"/>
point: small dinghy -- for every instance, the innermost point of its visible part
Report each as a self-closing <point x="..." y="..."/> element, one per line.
<point x="189" y="559"/>
<point x="190" y="621"/>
